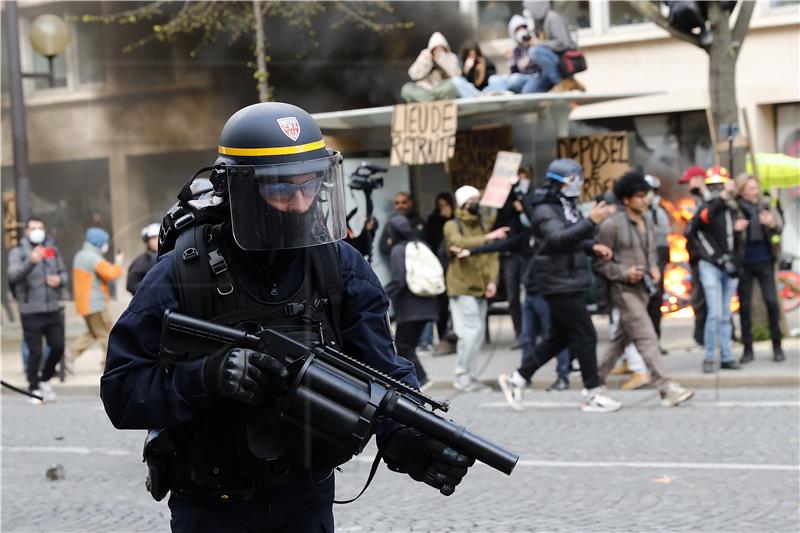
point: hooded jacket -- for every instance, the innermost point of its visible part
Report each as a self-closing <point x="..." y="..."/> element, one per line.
<point x="429" y="72"/>
<point x="408" y="307"/>
<point x="551" y="28"/>
<point x="91" y="273"/>
<point x="520" y="61"/>
<point x="468" y="276"/>
<point x="560" y="263"/>
<point x="27" y="279"/>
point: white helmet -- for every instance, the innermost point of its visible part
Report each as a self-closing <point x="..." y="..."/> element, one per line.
<point x="150" y="231"/>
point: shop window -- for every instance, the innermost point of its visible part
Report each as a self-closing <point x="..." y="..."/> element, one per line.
<point x="622" y="13"/>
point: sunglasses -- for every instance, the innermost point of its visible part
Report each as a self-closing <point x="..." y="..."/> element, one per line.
<point x="286" y="191"/>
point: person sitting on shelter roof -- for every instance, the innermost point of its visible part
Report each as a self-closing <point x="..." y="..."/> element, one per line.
<point x="554" y="39"/>
<point x="437" y="74"/>
<point x="524" y="77"/>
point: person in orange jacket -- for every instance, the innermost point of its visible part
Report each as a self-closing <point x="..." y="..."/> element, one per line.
<point x="91" y="274"/>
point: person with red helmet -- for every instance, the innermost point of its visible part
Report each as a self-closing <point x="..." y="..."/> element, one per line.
<point x="714" y="227"/>
<point x="694" y="177"/>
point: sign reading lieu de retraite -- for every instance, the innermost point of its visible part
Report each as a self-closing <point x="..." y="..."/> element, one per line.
<point x="424" y="133"/>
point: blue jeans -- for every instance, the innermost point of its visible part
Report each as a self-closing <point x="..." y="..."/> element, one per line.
<point x="549" y="62"/>
<point x="516" y="83"/>
<point x="535" y="323"/>
<point x="718" y="288"/>
<point x="465" y="88"/>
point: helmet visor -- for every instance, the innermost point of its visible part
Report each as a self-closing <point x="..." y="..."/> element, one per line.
<point x="289" y="205"/>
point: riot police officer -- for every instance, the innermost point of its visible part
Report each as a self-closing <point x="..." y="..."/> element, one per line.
<point x="232" y="463"/>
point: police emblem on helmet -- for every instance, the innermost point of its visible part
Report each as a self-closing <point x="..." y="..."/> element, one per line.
<point x="290" y="127"/>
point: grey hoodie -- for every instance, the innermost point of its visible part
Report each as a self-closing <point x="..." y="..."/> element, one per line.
<point x="28" y="279"/>
<point x="551" y="27"/>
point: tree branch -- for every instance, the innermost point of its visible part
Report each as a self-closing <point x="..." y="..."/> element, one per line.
<point x="371" y="24"/>
<point x="742" y="24"/>
<point x="652" y="12"/>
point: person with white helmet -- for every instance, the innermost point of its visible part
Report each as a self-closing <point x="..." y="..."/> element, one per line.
<point x="470" y="282"/>
<point x="142" y="264"/>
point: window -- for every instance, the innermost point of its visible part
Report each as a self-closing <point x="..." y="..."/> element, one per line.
<point x="621" y="13"/>
<point x="493" y="17"/>
<point x="576" y="13"/>
<point x="40" y="66"/>
<point x="90" y="44"/>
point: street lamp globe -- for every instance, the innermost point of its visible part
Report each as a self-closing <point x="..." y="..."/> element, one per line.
<point x="49" y="35"/>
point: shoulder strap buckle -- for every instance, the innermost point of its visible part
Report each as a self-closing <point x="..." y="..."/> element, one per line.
<point x="190" y="254"/>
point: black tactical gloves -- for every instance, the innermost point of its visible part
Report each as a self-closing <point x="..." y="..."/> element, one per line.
<point x="243" y="375"/>
<point x="426" y="459"/>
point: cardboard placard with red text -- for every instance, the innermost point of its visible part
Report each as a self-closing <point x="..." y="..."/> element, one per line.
<point x="506" y="166"/>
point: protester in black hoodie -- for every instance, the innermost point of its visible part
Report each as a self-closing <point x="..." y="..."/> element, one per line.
<point x="563" y="238"/>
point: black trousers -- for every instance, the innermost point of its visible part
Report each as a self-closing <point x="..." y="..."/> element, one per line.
<point x="698" y="299"/>
<point x="443" y="322"/>
<point x="51" y="327"/>
<point x="406" y="339"/>
<point x="570" y="327"/>
<point x="654" y="305"/>
<point x="765" y="274"/>
<point x="512" y="267"/>
<point x="296" y="511"/>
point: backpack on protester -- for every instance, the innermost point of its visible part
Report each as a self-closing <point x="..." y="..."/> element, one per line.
<point x="424" y="272"/>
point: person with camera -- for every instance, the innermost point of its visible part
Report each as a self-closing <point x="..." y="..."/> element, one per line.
<point x="715" y="227"/>
<point x="633" y="275"/>
<point x="142" y="264"/>
<point x="694" y="178"/>
<point x="36" y="274"/>
<point x="759" y="249"/>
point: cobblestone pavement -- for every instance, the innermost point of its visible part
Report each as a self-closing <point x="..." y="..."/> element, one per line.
<point x="708" y="466"/>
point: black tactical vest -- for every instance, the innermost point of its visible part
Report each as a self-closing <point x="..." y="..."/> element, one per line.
<point x="238" y="442"/>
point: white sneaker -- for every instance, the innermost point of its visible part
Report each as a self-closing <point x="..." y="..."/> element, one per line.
<point x="512" y="389"/>
<point x="599" y="402"/>
<point x="35" y="401"/>
<point x="48" y="394"/>
<point x="675" y="395"/>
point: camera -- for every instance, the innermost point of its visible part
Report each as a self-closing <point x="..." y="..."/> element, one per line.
<point x="363" y="178"/>
<point x="649" y="285"/>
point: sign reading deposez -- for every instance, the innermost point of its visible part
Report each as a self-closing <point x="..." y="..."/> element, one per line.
<point x="604" y="159"/>
<point x="424" y="133"/>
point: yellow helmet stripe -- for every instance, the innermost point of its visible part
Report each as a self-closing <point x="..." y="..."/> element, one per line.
<point x="281" y="150"/>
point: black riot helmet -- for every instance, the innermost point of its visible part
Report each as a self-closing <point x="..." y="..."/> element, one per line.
<point x="286" y="188"/>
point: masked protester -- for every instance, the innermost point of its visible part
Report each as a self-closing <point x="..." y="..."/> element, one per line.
<point x="759" y="249"/>
<point x="714" y="228"/>
<point x="563" y="241"/>
<point x="524" y="74"/>
<point x="142" y="264"/>
<point x="470" y="282"/>
<point x="36" y="274"/>
<point x="272" y="260"/>
<point x="91" y="275"/>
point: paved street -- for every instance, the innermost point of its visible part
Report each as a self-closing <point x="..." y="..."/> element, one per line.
<point x="730" y="465"/>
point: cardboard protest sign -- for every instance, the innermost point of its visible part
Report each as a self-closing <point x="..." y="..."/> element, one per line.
<point x="476" y="151"/>
<point x="424" y="133"/>
<point x="499" y="187"/>
<point x="604" y="158"/>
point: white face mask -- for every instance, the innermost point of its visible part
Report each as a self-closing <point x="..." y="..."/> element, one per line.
<point x="573" y="186"/>
<point x="36" y="236"/>
<point x="104" y="248"/>
<point x="523" y="36"/>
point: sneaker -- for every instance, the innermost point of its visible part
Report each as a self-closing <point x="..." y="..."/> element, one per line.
<point x="444" y="348"/>
<point x="622" y="369"/>
<point x="708" y="366"/>
<point x="637" y="381"/>
<point x="559" y="384"/>
<point x="35" y="401"/>
<point x="47" y="392"/>
<point x="675" y="395"/>
<point x="512" y="389"/>
<point x="747" y="355"/>
<point x="730" y="365"/>
<point x="599" y="402"/>
<point x="472" y="386"/>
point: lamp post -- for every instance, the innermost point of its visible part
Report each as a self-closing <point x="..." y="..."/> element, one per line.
<point x="49" y="36"/>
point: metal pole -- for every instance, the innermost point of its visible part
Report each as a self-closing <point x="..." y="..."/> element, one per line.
<point x="19" y="134"/>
